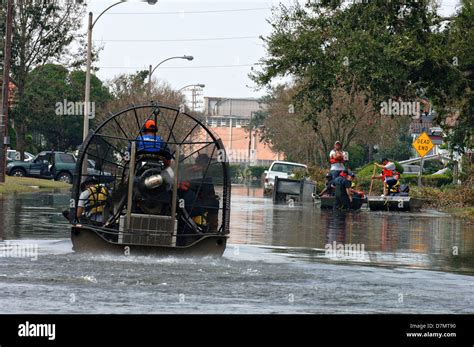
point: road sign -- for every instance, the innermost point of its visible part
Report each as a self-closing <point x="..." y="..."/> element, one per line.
<point x="423" y="144"/>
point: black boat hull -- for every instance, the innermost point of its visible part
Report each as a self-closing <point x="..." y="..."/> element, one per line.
<point x="328" y="202"/>
<point x="89" y="240"/>
<point x="394" y="203"/>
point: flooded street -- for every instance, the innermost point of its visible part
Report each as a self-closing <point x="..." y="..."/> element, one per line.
<point x="277" y="261"/>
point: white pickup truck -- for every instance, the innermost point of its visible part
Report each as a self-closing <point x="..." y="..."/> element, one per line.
<point x="281" y="169"/>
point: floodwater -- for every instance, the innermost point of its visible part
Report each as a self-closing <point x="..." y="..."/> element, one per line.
<point x="279" y="259"/>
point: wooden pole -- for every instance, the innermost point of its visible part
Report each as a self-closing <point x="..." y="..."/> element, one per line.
<point x="372" y="180"/>
<point x="420" y="172"/>
<point x="4" y="140"/>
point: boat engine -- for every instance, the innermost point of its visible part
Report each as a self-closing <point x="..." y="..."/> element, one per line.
<point x="152" y="188"/>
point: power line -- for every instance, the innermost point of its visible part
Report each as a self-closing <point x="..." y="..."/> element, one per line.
<point x="176" y="67"/>
<point x="193" y="12"/>
<point x="181" y="40"/>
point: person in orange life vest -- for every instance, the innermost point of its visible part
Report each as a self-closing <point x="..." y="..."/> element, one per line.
<point x="389" y="175"/>
<point x="337" y="160"/>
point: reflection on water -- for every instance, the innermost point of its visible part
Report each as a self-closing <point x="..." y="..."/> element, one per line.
<point x="426" y="239"/>
<point x="34" y="215"/>
<point x="275" y="253"/>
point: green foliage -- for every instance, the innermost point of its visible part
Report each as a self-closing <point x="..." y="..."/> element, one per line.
<point x="356" y="156"/>
<point x="448" y="196"/>
<point x="241" y="172"/>
<point x="427" y="180"/>
<point x="380" y="49"/>
<point x="12" y="134"/>
<point x="257" y="171"/>
<point x="367" y="170"/>
<point x="49" y="86"/>
<point x="432" y="166"/>
<point x="42" y="33"/>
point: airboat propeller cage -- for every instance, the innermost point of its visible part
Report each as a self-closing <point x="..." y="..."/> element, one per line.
<point x="108" y="150"/>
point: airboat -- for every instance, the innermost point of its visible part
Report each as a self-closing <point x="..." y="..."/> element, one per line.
<point x="394" y="203"/>
<point x="154" y="205"/>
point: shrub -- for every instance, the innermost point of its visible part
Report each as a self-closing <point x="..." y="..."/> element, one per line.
<point x="367" y="170"/>
<point x="426" y="180"/>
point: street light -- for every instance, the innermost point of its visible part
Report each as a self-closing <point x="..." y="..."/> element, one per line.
<point x="151" y="69"/>
<point x="87" y="93"/>
<point x="192" y="85"/>
<point x="89" y="59"/>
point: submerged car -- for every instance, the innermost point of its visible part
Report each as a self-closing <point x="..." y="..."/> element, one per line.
<point x="280" y="169"/>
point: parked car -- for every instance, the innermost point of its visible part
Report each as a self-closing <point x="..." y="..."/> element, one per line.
<point x="407" y="169"/>
<point x="42" y="166"/>
<point x="282" y="169"/>
<point x="62" y="170"/>
<point x="94" y="170"/>
<point x="13" y="155"/>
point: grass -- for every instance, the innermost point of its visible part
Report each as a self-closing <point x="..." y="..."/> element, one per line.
<point x="456" y="200"/>
<point x="463" y="212"/>
<point x="27" y="184"/>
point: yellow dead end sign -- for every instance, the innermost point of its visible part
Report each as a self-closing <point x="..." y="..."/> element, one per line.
<point x="423" y="144"/>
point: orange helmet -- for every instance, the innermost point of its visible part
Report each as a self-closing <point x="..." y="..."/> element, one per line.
<point x="150" y="125"/>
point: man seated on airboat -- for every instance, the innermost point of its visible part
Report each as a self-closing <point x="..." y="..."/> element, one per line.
<point x="197" y="191"/>
<point x="153" y="158"/>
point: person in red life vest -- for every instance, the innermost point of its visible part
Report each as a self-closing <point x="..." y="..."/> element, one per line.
<point x="337" y="158"/>
<point x="389" y="175"/>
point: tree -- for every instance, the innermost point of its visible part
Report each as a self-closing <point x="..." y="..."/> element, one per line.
<point x="128" y="89"/>
<point x="284" y="130"/>
<point x="459" y="91"/>
<point x="53" y="101"/>
<point x="43" y="31"/>
<point x="363" y="53"/>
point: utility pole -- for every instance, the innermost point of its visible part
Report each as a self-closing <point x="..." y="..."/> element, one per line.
<point x="4" y="140"/>
<point x="193" y="98"/>
<point x="250" y="138"/>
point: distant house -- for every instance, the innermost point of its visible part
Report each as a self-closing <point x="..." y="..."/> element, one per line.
<point x="228" y="118"/>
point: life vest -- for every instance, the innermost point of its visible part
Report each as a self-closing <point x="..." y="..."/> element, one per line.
<point x="184" y="185"/>
<point x="395" y="188"/>
<point x="387" y="173"/>
<point x="98" y="199"/>
<point x="149" y="143"/>
<point x="334" y="160"/>
<point x="201" y="220"/>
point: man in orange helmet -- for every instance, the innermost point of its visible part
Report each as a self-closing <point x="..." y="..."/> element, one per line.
<point x="148" y="141"/>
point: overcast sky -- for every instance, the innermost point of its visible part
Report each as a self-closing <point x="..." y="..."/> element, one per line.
<point x="221" y="35"/>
